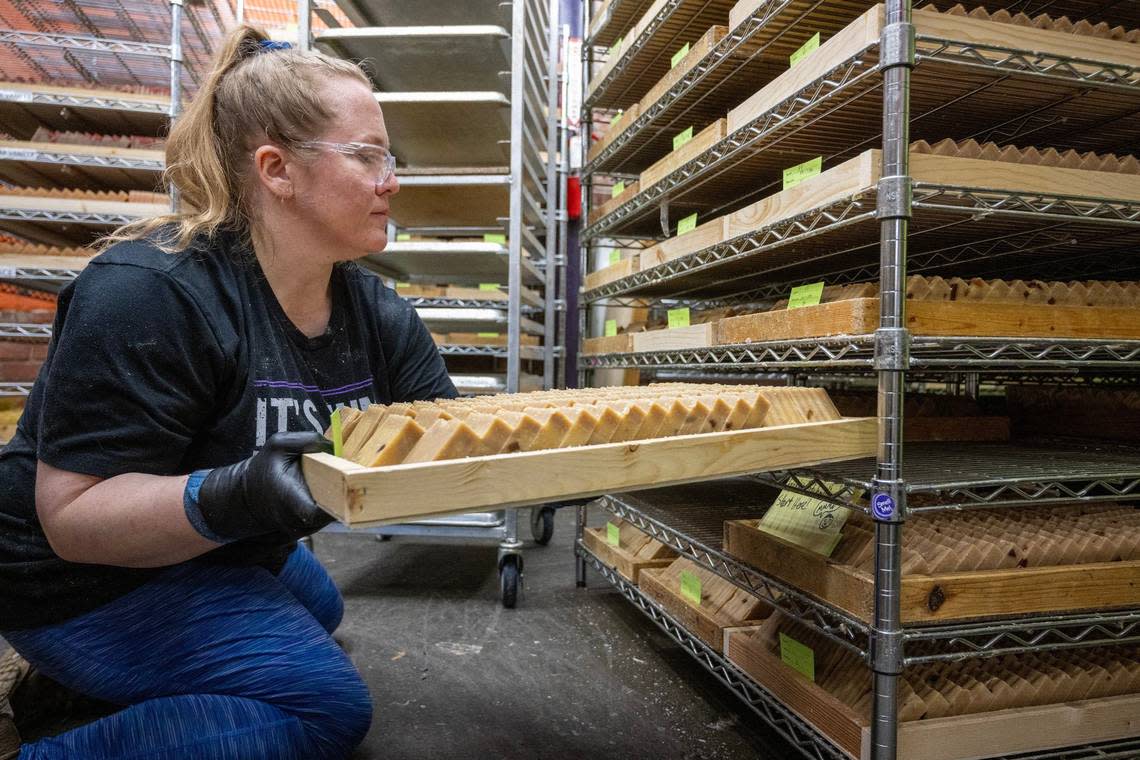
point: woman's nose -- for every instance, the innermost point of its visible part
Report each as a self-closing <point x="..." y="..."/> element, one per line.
<point x="391" y="185"/>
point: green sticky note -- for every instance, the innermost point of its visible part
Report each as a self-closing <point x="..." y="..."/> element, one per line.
<point x="804" y="51"/>
<point x="688" y="224"/>
<point x="799" y="173"/>
<point x="617" y="189"/>
<point x="691" y="587"/>
<point x="337" y="438"/>
<point x="681" y="138"/>
<point x="679" y="317"/>
<point x="615" y="47"/>
<point x="615" y="257"/>
<point x="488" y="286"/>
<point x="805" y="295"/>
<point x="616" y="118"/>
<point x="403" y="285"/>
<point x="487" y="335"/>
<point x="797" y="656"/>
<point x="403" y="237"/>
<point x="495" y="238"/>
<point x="679" y="56"/>
<point x="613" y="534"/>
<point x="611" y="328"/>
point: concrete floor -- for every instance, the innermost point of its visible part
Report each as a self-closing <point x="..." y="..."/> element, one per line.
<point x="570" y="673"/>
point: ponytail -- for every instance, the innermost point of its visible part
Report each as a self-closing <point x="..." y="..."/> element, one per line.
<point x="256" y="89"/>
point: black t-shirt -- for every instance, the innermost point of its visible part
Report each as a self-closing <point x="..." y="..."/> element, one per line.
<point x="168" y="363"/>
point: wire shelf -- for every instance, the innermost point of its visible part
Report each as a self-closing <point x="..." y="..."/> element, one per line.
<point x="1070" y="108"/>
<point x="801" y="735"/>
<point x="24" y="108"/>
<point x="857" y="352"/>
<point x="694" y="528"/>
<point x="648" y="57"/>
<point x="530" y="353"/>
<point x="942" y="476"/>
<point x="617" y="17"/>
<point x="11" y="389"/>
<point x="690" y="519"/>
<point x="951" y="227"/>
<point x="10" y="330"/>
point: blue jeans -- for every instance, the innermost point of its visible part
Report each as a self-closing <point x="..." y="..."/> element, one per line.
<point x="216" y="663"/>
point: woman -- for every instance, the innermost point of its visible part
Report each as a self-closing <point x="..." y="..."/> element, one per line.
<point x="151" y="499"/>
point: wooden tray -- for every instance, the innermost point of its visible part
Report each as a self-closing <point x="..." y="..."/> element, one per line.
<point x="860" y="316"/>
<point x="608" y="344"/>
<point x="359" y="496"/>
<point x="944" y="597"/>
<point x="628" y="563"/>
<point x="622" y="268"/>
<point x="964" y="737"/>
<point x="723" y="605"/>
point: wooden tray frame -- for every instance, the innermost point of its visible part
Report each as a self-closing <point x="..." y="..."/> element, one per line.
<point x="627" y="565"/>
<point x="708" y="627"/>
<point x="860" y="316"/>
<point x="944" y="597"/>
<point x="963" y="737"/>
<point x="361" y="496"/>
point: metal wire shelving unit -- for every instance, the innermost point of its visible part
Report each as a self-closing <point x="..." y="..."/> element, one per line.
<point x="904" y="84"/>
<point x="470" y="95"/>
<point x="71" y="66"/>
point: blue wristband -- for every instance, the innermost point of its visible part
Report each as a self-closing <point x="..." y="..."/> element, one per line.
<point x="193" y="513"/>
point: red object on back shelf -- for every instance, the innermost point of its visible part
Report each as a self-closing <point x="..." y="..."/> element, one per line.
<point x="573" y="198"/>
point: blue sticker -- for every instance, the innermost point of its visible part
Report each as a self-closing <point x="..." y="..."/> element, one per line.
<point x="883" y="506"/>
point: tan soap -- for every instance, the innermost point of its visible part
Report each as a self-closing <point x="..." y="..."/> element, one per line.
<point x="394" y="439"/>
<point x="582" y="424"/>
<point x="633" y="416"/>
<point x="428" y="417"/>
<point x="719" y="411"/>
<point x="555" y="427"/>
<point x="524" y="431"/>
<point x="493" y="432"/>
<point x="349" y="418"/>
<point x="445" y="439"/>
<point x="758" y="414"/>
<point x="365" y="426"/>
<point x="609" y="420"/>
<point x="677" y="412"/>
<point x="655" y="415"/>
<point x="695" y="419"/>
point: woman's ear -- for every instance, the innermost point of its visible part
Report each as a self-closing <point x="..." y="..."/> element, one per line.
<point x="272" y="167"/>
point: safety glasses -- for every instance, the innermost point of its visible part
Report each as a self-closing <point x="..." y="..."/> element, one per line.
<point x="376" y="158"/>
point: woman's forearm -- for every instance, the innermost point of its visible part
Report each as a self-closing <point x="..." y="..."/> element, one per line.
<point x="130" y="520"/>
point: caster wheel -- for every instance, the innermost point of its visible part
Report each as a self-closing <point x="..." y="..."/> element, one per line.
<point x="542" y="524"/>
<point x="509" y="577"/>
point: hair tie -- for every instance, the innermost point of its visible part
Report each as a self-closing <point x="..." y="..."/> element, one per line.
<point x="266" y="46"/>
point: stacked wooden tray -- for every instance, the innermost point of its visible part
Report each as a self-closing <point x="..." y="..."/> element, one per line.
<point x="970" y="565"/>
<point x="632" y="552"/>
<point x="962" y="710"/>
<point x="948" y="85"/>
<point x="935" y="307"/>
<point x="433" y="458"/>
<point x="963" y="167"/>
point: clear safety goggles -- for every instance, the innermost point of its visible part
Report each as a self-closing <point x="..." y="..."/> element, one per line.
<point x="376" y="158"/>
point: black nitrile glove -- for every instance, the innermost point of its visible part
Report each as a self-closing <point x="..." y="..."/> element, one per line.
<point x="265" y="493"/>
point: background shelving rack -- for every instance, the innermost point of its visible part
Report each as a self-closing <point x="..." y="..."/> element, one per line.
<point x="56" y="56"/>
<point x="865" y="102"/>
<point x="470" y="95"/>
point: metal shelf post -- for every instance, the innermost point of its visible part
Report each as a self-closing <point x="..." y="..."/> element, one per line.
<point x="888" y="502"/>
<point x="175" y="77"/>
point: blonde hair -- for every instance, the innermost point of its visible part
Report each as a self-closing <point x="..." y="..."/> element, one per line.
<point x="251" y="92"/>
